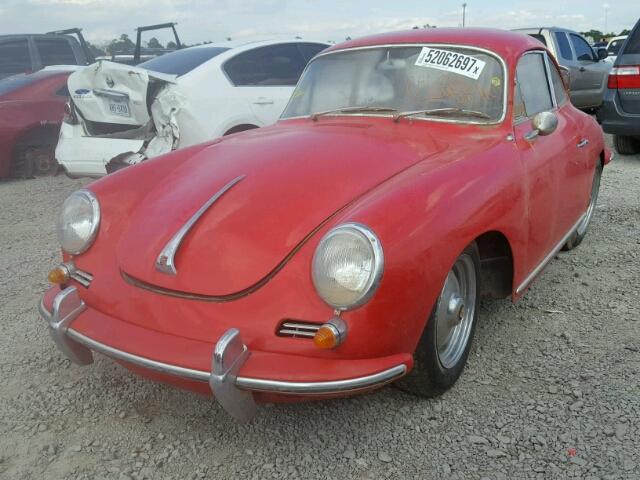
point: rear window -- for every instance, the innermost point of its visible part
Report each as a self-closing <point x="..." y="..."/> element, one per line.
<point x="55" y="51"/>
<point x="14" y="57"/>
<point x="181" y="62"/>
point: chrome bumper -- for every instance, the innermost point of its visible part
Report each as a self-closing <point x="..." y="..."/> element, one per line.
<point x="232" y="392"/>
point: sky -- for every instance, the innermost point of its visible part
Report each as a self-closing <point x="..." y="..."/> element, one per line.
<point x="216" y="20"/>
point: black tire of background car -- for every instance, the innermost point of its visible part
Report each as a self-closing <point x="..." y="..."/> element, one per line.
<point x="30" y="160"/>
<point x="577" y="238"/>
<point x="625" y="145"/>
<point x="429" y="378"/>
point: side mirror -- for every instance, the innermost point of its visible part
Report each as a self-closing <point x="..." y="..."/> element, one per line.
<point x="545" y="123"/>
<point x="565" y="74"/>
<point x="602" y="53"/>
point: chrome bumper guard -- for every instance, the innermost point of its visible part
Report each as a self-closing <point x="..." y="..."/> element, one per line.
<point x="232" y="392"/>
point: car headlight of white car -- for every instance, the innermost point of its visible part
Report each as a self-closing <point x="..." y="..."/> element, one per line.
<point x="79" y="222"/>
<point x="347" y="266"/>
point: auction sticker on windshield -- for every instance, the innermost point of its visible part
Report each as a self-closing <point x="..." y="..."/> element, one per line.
<point x="449" y="61"/>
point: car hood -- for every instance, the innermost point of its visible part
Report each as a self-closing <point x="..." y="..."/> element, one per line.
<point x="295" y="179"/>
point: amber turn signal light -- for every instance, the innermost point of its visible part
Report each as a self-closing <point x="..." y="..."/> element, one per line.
<point x="58" y="275"/>
<point x="331" y="334"/>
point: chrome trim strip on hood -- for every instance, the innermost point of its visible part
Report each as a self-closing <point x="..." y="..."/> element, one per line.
<point x="165" y="262"/>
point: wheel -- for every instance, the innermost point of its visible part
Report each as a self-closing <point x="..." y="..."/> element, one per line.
<point x="626" y="145"/>
<point x="43" y="160"/>
<point x="581" y="232"/>
<point x="30" y="160"/>
<point x="444" y="346"/>
<point x="22" y="164"/>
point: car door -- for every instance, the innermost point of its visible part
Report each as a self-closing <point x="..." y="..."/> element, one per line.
<point x="588" y="74"/>
<point x="266" y="77"/>
<point x="543" y="157"/>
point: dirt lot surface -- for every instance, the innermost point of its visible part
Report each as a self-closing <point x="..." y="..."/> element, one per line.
<point x="552" y="389"/>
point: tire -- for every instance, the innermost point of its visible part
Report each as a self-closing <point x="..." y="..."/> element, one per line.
<point x="33" y="160"/>
<point x="626" y="145"/>
<point x="439" y="360"/>
<point x="581" y="232"/>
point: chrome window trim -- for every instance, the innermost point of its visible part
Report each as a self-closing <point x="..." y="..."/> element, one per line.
<point x="503" y="64"/>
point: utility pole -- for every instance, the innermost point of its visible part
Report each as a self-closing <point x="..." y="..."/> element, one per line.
<point x="464" y="14"/>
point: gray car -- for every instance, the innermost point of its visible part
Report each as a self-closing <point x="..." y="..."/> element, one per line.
<point x="620" y="112"/>
<point x="588" y="70"/>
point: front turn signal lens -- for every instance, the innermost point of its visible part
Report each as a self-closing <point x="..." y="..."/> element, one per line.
<point x="58" y="275"/>
<point x="331" y="334"/>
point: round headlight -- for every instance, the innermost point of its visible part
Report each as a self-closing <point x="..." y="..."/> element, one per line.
<point x="347" y="266"/>
<point x="79" y="221"/>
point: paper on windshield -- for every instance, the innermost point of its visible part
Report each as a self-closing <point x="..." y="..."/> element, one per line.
<point x="454" y="62"/>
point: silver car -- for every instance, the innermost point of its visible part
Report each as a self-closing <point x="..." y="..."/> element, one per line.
<point x="588" y="70"/>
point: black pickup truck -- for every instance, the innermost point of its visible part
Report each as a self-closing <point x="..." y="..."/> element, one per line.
<point x="26" y="53"/>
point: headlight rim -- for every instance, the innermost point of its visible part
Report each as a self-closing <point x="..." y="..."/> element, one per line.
<point x="95" y="220"/>
<point x="378" y="263"/>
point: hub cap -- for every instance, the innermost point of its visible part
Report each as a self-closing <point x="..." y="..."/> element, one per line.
<point x="455" y="312"/>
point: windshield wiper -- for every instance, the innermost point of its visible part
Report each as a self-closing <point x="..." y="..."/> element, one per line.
<point x="443" y="111"/>
<point x="315" y="116"/>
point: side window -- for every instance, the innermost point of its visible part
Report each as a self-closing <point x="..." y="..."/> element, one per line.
<point x="277" y="65"/>
<point x="558" y="85"/>
<point x="519" y="112"/>
<point x="582" y="48"/>
<point x="531" y="79"/>
<point x="14" y="57"/>
<point x="55" y="52"/>
<point x="563" y="45"/>
<point x="310" y="50"/>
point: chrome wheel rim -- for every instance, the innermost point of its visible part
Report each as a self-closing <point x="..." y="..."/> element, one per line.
<point x="455" y="312"/>
<point x="595" y="188"/>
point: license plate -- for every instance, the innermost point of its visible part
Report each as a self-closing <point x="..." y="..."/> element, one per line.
<point x="119" y="108"/>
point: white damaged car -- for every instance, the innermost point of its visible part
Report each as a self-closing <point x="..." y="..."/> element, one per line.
<point x="119" y="115"/>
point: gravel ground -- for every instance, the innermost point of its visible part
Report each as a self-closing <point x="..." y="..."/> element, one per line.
<point x="551" y="389"/>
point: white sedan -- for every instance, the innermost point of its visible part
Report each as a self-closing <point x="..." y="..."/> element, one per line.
<point x="120" y="115"/>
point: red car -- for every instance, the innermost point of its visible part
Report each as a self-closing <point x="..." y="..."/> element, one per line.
<point x="31" y="111"/>
<point x="347" y="246"/>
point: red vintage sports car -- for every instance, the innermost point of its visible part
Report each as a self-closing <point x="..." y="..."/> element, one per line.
<point x="31" y="110"/>
<point x="346" y="247"/>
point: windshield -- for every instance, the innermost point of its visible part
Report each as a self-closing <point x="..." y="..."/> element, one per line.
<point x="404" y="79"/>
<point x="182" y="61"/>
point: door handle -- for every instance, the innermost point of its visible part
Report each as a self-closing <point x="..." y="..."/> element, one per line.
<point x="583" y="143"/>
<point x="532" y="135"/>
<point x="582" y="69"/>
<point x="263" y="101"/>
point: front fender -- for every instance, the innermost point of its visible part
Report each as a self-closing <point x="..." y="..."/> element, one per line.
<point x="425" y="219"/>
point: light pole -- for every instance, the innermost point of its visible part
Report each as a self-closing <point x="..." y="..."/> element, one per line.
<point x="606" y="14"/>
<point x="464" y="13"/>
